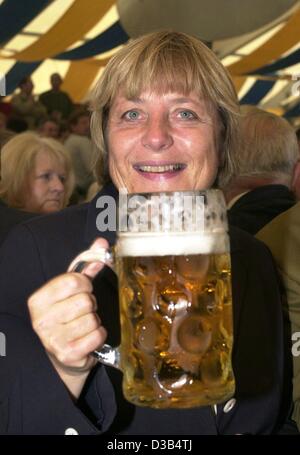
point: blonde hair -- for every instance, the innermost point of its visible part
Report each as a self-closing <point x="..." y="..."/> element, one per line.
<point x="165" y="61"/>
<point x="268" y="147"/>
<point x="17" y="163"/>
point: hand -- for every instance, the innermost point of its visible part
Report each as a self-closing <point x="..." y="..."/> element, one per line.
<point x="63" y="314"/>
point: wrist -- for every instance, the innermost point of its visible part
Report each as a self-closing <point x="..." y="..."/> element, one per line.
<point x="74" y="378"/>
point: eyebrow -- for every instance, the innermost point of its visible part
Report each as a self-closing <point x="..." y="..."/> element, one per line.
<point x="134" y="99"/>
<point x="50" y="171"/>
<point x="176" y="100"/>
<point x="185" y="100"/>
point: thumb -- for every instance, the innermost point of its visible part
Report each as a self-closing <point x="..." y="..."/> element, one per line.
<point x="91" y="261"/>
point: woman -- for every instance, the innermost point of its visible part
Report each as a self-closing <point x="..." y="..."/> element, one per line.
<point x="164" y="118"/>
<point x="36" y="174"/>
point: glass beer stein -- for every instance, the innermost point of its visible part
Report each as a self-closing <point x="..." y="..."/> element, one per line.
<point x="173" y="265"/>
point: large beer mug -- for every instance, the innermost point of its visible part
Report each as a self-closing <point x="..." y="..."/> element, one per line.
<point x="172" y="259"/>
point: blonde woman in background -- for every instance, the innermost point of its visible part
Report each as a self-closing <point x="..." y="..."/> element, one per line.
<point x="36" y="174"/>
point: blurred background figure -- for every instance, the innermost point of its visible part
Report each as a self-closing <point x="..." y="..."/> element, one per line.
<point x="79" y="123"/>
<point x="64" y="131"/>
<point x="25" y="106"/>
<point x="49" y="127"/>
<point x="298" y="137"/>
<point x="9" y="217"/>
<point x="5" y="134"/>
<point x="82" y="153"/>
<point x="5" y="107"/>
<point x="57" y="103"/>
<point x="94" y="188"/>
<point x="36" y="174"/>
<point x="282" y="236"/>
<point x="3" y="121"/>
<point x="266" y="170"/>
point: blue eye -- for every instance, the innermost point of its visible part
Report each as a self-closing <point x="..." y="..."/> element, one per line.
<point x="131" y="115"/>
<point x="187" y="115"/>
<point x="46" y="176"/>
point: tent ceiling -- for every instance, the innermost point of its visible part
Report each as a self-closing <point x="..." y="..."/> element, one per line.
<point x="247" y="39"/>
<point x="208" y="19"/>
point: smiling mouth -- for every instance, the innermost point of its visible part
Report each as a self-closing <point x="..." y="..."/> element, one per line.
<point x="160" y="169"/>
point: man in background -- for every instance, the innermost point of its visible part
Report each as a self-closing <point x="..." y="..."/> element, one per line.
<point x="25" y="107"/>
<point x="266" y="173"/>
<point x="82" y="153"/>
<point x="49" y="127"/>
<point x="282" y="236"/>
<point x="58" y="103"/>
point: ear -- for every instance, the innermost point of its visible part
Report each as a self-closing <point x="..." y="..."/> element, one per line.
<point x="296" y="180"/>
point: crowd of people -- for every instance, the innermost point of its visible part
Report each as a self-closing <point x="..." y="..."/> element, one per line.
<point x="54" y="116"/>
<point x="165" y="117"/>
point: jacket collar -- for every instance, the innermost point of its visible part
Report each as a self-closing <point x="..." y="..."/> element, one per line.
<point x="266" y="195"/>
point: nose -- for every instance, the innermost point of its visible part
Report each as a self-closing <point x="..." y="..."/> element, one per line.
<point x="57" y="185"/>
<point x="157" y="135"/>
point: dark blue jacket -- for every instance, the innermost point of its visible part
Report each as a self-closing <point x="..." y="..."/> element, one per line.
<point x="252" y="211"/>
<point x="33" y="399"/>
<point x="10" y="217"/>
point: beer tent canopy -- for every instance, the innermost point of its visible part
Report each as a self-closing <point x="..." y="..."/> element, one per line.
<point x="77" y="37"/>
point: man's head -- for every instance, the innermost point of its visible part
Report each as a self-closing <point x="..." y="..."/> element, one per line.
<point x="268" y="153"/>
<point x="49" y="128"/>
<point x="79" y="123"/>
<point x="26" y="85"/>
<point x="55" y="81"/>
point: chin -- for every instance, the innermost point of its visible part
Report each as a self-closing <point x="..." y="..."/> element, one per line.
<point x="154" y="187"/>
<point x="52" y="208"/>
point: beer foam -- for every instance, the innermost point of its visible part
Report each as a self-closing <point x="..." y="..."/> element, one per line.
<point x="171" y="244"/>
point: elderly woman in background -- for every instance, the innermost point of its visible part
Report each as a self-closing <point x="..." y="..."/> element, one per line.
<point x="164" y="119"/>
<point x="36" y="174"/>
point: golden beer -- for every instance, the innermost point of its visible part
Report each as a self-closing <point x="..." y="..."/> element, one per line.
<point x="176" y="320"/>
<point x="172" y="258"/>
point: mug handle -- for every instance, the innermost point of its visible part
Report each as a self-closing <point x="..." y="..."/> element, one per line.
<point x="107" y="354"/>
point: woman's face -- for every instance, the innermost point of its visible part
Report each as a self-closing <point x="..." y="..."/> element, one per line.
<point x="162" y="143"/>
<point x="46" y="186"/>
